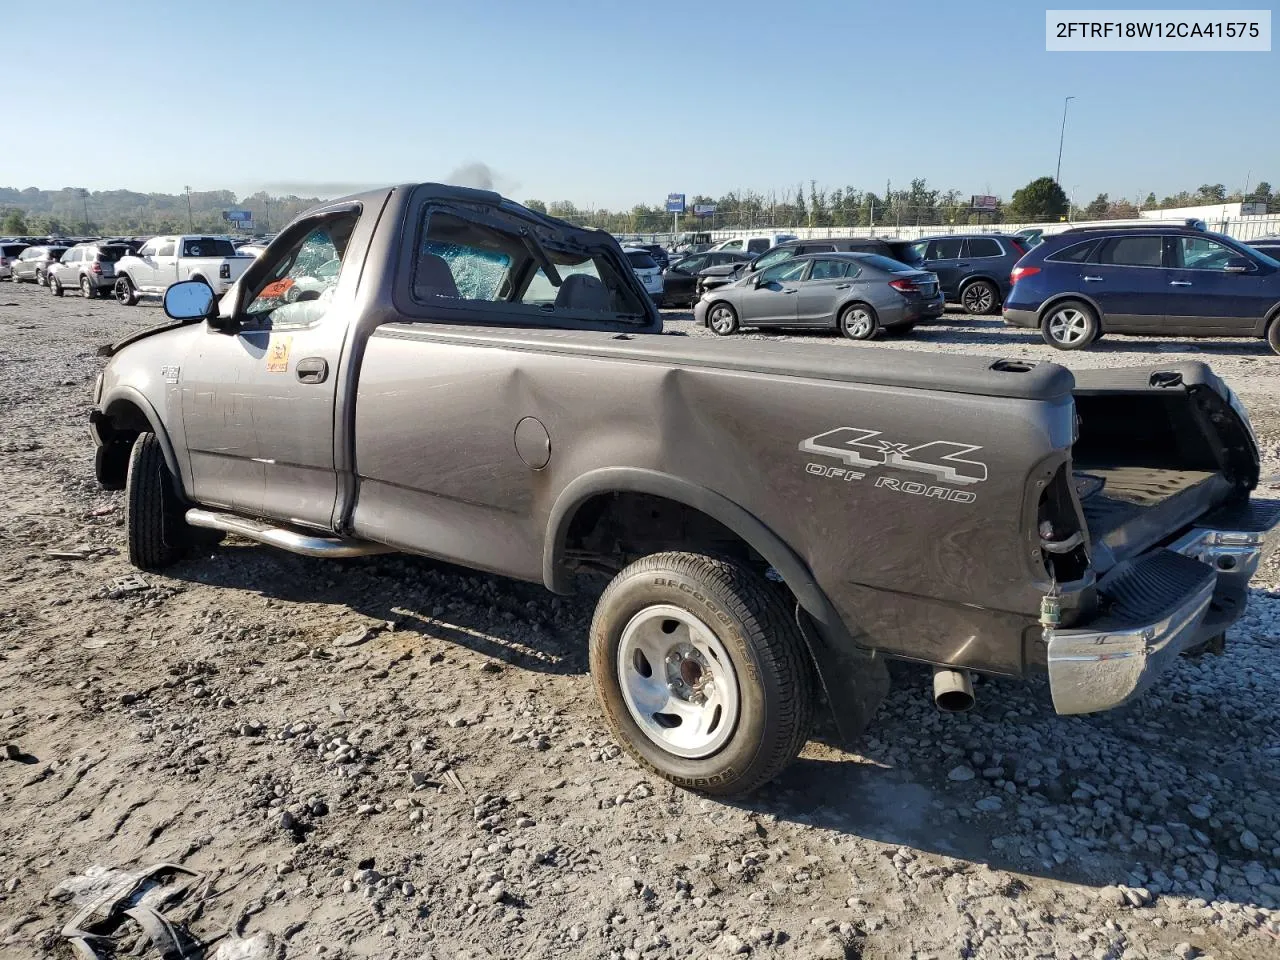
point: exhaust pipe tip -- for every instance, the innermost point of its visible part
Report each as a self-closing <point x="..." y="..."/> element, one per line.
<point x="952" y="690"/>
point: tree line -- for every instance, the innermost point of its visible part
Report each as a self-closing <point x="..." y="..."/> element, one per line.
<point x="73" y="211"/>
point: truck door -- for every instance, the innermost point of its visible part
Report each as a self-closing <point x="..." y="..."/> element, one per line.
<point x="258" y="405"/>
<point x="164" y="267"/>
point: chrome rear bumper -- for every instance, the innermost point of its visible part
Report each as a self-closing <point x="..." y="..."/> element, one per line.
<point x="1093" y="670"/>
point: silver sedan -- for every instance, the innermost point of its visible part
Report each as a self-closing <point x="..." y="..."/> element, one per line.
<point x="859" y="294"/>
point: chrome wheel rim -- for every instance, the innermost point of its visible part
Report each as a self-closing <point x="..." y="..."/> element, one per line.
<point x="858" y="323"/>
<point x="678" y="681"/>
<point x="978" y="299"/>
<point x="722" y="320"/>
<point x="122" y="291"/>
<point x="1069" y="326"/>
<point x="84" y="288"/>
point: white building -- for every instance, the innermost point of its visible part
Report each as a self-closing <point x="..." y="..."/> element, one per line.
<point x="1208" y="212"/>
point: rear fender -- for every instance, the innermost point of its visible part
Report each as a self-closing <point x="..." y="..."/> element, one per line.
<point x="855" y="680"/>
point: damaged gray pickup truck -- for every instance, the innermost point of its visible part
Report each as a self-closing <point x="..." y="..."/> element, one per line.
<point x="443" y="372"/>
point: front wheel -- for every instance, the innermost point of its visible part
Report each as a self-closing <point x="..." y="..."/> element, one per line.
<point x="702" y="672"/>
<point x="157" y="533"/>
<point x="1273" y="334"/>
<point x="55" y="287"/>
<point x="1070" y="325"/>
<point x="858" y="322"/>
<point x="722" y="319"/>
<point x="125" y="292"/>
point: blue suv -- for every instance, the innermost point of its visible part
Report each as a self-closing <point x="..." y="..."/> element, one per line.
<point x="1156" y="281"/>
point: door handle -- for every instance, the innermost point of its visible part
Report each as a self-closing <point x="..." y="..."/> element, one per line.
<point x="312" y="370"/>
<point x="1179" y="283"/>
<point x="788" y="291"/>
<point x="1091" y="279"/>
<point x="843" y="286"/>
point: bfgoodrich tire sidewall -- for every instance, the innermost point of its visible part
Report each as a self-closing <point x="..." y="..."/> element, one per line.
<point x="734" y="762"/>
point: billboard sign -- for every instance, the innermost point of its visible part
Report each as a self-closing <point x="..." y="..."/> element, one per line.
<point x="675" y="203"/>
<point x="979" y="202"/>
<point x="703" y="209"/>
<point x="238" y="216"/>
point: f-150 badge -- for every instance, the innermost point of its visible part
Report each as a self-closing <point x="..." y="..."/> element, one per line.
<point x="859" y="447"/>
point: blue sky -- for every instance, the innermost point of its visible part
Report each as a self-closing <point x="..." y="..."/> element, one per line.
<point x="609" y="103"/>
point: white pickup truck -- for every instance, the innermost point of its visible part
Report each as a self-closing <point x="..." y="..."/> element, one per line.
<point x="166" y="260"/>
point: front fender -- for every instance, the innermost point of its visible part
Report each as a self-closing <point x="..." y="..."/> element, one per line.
<point x="114" y="410"/>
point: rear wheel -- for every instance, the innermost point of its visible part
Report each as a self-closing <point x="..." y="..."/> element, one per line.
<point x="858" y="322"/>
<point x="702" y="672"/>
<point x="980" y="297"/>
<point x="722" y="319"/>
<point x="125" y="292"/>
<point x="1273" y="334"/>
<point x="41" y="278"/>
<point x="1070" y="325"/>
<point x="86" y="288"/>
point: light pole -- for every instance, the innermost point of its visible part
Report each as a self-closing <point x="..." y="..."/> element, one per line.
<point x="84" y="199"/>
<point x="191" y="223"/>
<point x="1071" y="208"/>
<point x="1057" y="177"/>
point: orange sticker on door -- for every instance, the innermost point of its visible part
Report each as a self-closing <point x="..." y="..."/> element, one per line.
<point x="278" y="354"/>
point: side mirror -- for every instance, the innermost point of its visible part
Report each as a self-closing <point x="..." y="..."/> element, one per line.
<point x="757" y="280"/>
<point x="188" y="300"/>
<point x="1238" y="265"/>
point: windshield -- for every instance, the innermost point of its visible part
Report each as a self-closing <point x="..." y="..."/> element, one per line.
<point x="208" y="247"/>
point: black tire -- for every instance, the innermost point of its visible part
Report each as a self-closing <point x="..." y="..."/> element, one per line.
<point x="158" y="536"/>
<point x="1273" y="333"/>
<point x="125" y="292"/>
<point x="86" y="288"/>
<point x="55" y="287"/>
<point x="858" y="321"/>
<point x="901" y="330"/>
<point x="1070" y="325"/>
<point x="722" y="319"/>
<point x="753" y="622"/>
<point x="41" y="278"/>
<point x="980" y="297"/>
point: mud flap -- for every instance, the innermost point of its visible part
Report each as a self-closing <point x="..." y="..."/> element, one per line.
<point x="855" y="681"/>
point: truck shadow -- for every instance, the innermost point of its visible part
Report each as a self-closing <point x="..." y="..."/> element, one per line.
<point x="1034" y="817"/>
<point x="517" y="623"/>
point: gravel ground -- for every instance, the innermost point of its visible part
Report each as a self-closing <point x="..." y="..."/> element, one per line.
<point x="393" y="758"/>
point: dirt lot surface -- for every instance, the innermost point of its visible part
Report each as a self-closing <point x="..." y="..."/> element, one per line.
<point x="394" y="758"/>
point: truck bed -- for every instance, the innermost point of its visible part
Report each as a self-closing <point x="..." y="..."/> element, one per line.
<point x="1135" y="507"/>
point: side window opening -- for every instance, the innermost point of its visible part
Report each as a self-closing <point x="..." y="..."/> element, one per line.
<point x="300" y="285"/>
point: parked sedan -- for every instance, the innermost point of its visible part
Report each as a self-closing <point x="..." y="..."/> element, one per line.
<point x="901" y="250"/>
<point x="33" y="264"/>
<point x="682" y="279"/>
<point x="859" y="294"/>
<point x="1154" y="281"/>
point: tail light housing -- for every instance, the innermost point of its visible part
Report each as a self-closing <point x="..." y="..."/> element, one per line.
<point x="905" y="286"/>
<point x="96" y="268"/>
<point x="224" y="271"/>
<point x="1019" y="272"/>
<point x="4" y="261"/>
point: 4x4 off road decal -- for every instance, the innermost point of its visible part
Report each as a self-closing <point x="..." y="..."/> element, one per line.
<point x="859" y="447"/>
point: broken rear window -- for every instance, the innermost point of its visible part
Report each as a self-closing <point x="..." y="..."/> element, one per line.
<point x="475" y="254"/>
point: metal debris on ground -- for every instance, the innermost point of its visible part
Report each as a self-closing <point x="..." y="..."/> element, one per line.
<point x="140" y="913"/>
<point x="128" y="584"/>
